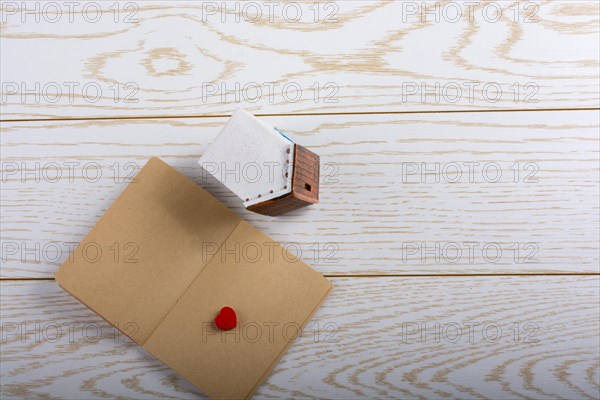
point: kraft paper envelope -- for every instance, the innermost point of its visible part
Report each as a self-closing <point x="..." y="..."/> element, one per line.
<point x="167" y="256"/>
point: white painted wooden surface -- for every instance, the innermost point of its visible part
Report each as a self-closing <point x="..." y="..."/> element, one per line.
<point x="371" y="133"/>
<point x="382" y="211"/>
<point x="532" y="337"/>
<point x="368" y="56"/>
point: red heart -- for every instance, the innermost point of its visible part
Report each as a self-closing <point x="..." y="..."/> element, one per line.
<point x="226" y="319"/>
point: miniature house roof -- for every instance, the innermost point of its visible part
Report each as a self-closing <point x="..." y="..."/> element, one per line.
<point x="252" y="159"/>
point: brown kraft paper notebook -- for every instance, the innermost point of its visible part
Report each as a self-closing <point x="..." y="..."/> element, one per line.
<point x="167" y="256"/>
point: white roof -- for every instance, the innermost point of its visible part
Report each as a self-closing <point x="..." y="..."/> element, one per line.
<point x="251" y="159"/>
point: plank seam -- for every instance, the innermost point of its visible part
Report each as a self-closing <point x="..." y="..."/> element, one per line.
<point x="299" y="114"/>
<point x="397" y="275"/>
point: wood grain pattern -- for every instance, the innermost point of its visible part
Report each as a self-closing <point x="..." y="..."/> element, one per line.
<point x="373" y="210"/>
<point x="154" y="59"/>
<point x="388" y="183"/>
<point x="548" y="346"/>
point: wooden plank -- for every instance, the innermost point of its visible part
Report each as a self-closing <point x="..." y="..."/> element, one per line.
<point x="377" y="215"/>
<point x="376" y="338"/>
<point x="180" y="58"/>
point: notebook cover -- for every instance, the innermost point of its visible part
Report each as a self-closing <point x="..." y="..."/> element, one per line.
<point x="164" y="259"/>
